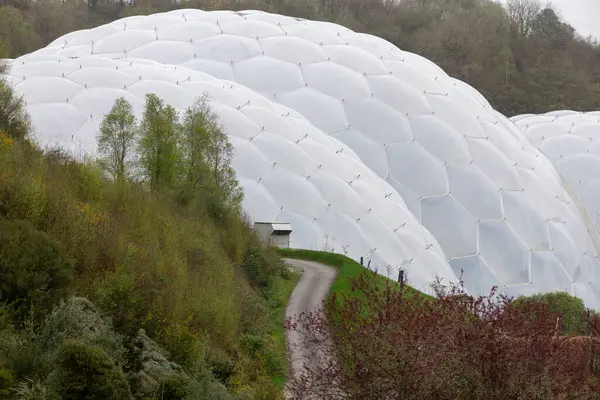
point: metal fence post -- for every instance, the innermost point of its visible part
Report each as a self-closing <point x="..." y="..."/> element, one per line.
<point x="401" y="280"/>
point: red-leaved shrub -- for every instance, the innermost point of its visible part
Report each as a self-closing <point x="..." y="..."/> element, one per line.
<point x="376" y="345"/>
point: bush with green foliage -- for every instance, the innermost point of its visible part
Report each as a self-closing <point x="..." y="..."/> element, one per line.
<point x="6" y="381"/>
<point x="35" y="271"/>
<point x="20" y="352"/>
<point x="14" y="119"/>
<point x="78" y="318"/>
<point x="260" y="265"/>
<point x="86" y="372"/>
<point x="570" y="310"/>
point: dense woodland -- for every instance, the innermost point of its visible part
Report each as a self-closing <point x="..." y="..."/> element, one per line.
<point x="523" y="58"/>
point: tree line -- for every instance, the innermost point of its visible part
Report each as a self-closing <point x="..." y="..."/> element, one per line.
<point x="189" y="153"/>
<point x="521" y="56"/>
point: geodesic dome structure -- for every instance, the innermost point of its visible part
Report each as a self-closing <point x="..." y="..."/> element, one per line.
<point x="289" y="170"/>
<point x="496" y="206"/>
<point x="571" y="141"/>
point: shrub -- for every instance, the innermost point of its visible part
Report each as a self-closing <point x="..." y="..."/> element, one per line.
<point x="20" y="352"/>
<point x="22" y="355"/>
<point x="571" y="309"/>
<point x="78" y="318"/>
<point x="6" y="380"/>
<point x="454" y="346"/>
<point x="86" y="372"/>
<point x="252" y="266"/>
<point x="34" y="270"/>
<point x="222" y="366"/>
<point x="266" y="390"/>
<point x="183" y="346"/>
<point x="119" y="293"/>
<point x="32" y="389"/>
<point x="260" y="265"/>
<point x="14" y="119"/>
<point x="254" y="312"/>
<point x="206" y="387"/>
<point x="175" y="387"/>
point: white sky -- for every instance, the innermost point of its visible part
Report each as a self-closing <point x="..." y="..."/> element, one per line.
<point x="583" y="15"/>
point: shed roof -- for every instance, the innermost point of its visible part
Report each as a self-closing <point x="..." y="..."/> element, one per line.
<point x="277" y="226"/>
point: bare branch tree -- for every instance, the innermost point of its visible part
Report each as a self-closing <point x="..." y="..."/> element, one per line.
<point x="521" y="14"/>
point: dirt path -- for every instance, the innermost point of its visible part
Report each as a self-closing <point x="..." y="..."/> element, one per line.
<point x="312" y="288"/>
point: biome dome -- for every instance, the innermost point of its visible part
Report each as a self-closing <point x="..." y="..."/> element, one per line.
<point x="571" y="140"/>
<point x="496" y="206"/>
<point x="290" y="171"/>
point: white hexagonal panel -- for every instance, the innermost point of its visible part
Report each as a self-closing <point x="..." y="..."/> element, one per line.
<point x="425" y="133"/>
<point x="571" y="140"/>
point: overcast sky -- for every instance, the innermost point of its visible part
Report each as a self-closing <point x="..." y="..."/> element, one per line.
<point x="581" y="14"/>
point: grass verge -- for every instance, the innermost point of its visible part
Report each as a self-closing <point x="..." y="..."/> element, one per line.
<point x="282" y="289"/>
<point x="347" y="270"/>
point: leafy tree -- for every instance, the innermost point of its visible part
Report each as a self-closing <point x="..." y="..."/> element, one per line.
<point x="16" y="32"/>
<point x="548" y="28"/>
<point x="34" y="269"/>
<point x="14" y="119"/>
<point x="159" y="145"/>
<point x="116" y="139"/>
<point x="197" y="129"/>
<point x="219" y="156"/>
<point x="207" y="155"/>
<point x="50" y="19"/>
<point x="521" y="14"/>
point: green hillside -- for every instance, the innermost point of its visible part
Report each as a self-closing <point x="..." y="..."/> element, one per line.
<point x="133" y="287"/>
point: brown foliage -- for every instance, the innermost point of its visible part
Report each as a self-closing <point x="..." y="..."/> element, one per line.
<point x="453" y="347"/>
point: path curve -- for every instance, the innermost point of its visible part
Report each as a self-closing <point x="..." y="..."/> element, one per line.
<point x="310" y="292"/>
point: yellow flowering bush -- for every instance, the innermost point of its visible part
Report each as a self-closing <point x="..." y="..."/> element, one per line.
<point x="94" y="217"/>
<point x="5" y="140"/>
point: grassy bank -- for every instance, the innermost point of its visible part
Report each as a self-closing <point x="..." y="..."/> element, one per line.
<point x="282" y="289"/>
<point x="348" y="269"/>
<point x="132" y="288"/>
<point x="207" y="293"/>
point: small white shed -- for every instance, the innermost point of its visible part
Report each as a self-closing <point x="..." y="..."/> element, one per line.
<point x="274" y="234"/>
